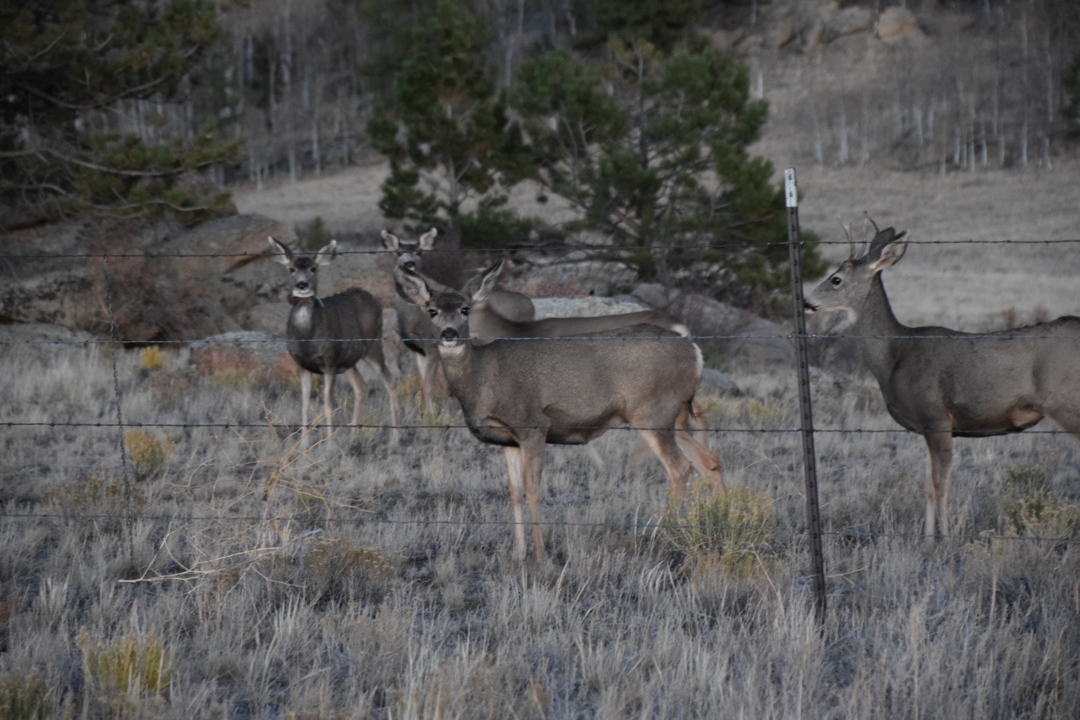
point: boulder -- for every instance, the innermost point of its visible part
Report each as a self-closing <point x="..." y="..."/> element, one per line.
<point x="837" y="23"/>
<point x="896" y="23"/>
<point x="742" y="338"/>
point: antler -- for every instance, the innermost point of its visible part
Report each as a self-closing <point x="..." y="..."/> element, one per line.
<point x="851" y="243"/>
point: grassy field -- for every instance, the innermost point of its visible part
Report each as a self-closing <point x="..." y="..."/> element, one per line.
<point x="213" y="570"/>
<point x="220" y="572"/>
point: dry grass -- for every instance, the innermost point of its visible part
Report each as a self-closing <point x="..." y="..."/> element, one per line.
<point x="350" y="581"/>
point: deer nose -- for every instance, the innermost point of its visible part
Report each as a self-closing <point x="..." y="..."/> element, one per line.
<point x="449" y="334"/>
<point x="410" y="265"/>
<point x="301" y="285"/>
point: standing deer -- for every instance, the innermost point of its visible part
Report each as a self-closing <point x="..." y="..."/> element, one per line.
<point x="330" y="335"/>
<point x="942" y="383"/>
<point x="414" y="326"/>
<point x="523" y="395"/>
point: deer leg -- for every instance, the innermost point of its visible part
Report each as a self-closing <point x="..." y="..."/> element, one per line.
<point x="328" y="397"/>
<point x="360" y="389"/>
<point x="532" y="451"/>
<point x="704" y="461"/>
<point x="695" y="416"/>
<point x="305" y="403"/>
<point x="678" y="467"/>
<point x="594" y="458"/>
<point x="939" y="444"/>
<point x="515" y="470"/>
<point x="379" y="365"/>
<point x="426" y="365"/>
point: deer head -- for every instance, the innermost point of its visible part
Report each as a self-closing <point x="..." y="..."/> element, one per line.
<point x="449" y="311"/>
<point x="848" y="287"/>
<point x="409" y="251"/>
<point x="304" y="268"/>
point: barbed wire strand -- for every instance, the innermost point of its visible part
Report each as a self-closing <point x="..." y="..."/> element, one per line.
<point x="554" y="247"/>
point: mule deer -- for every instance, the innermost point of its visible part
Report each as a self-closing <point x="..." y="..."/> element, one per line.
<point x="522" y="395"/>
<point x="943" y="384"/>
<point x="415" y="327"/>
<point x="330" y="335"/>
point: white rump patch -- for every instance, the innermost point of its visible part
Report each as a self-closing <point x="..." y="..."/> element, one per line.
<point x="700" y="361"/>
<point x="681" y="329"/>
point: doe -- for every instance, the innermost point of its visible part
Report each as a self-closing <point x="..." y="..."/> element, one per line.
<point x="523" y="395"/>
<point x="330" y="335"/>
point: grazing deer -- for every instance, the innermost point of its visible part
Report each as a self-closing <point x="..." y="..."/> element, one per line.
<point x="522" y="395"/>
<point x="942" y="383"/>
<point x="330" y="335"/>
<point x="414" y="326"/>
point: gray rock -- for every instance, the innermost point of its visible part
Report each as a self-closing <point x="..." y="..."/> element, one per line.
<point x="742" y="338"/>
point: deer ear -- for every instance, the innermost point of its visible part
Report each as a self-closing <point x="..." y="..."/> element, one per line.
<point x="326" y="253"/>
<point x="480" y="287"/>
<point x="281" y="253"/>
<point x="427" y="240"/>
<point x="890" y="254"/>
<point x="411" y="286"/>
<point x="390" y="241"/>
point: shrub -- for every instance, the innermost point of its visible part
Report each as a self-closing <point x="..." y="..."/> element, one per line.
<point x="148" y="451"/>
<point x="150" y="358"/>
<point x="129" y="666"/>
<point x="25" y="698"/>
<point x="738" y="525"/>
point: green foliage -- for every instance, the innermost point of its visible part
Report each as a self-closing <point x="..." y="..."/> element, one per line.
<point x="25" y="698"/>
<point x="129" y="666"/>
<point x="659" y="22"/>
<point x="1030" y="509"/>
<point x="738" y="526"/>
<point x="66" y="66"/>
<point x="148" y="451"/>
<point x="450" y="138"/>
<point x="314" y="236"/>
<point x="660" y="165"/>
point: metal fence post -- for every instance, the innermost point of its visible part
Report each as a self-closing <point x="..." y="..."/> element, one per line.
<point x="802" y="367"/>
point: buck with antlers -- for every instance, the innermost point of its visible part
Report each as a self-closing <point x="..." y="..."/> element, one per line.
<point x="415" y="328"/>
<point x="942" y="383"/>
<point x="330" y="335"/>
<point x="523" y="395"/>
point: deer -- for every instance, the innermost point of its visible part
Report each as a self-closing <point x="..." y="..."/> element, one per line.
<point x="941" y="383"/>
<point x="413" y="324"/>
<point x="330" y="335"/>
<point x="524" y="395"/>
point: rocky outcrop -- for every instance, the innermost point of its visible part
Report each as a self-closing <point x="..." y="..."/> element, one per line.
<point x="896" y="23"/>
<point x="741" y="338"/>
<point x="152" y="282"/>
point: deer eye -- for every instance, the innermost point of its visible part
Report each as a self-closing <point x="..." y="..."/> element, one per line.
<point x="432" y="313"/>
<point x="313" y="270"/>
<point x="465" y="310"/>
<point x="836" y="281"/>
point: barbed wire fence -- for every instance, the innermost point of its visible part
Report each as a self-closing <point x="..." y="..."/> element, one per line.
<point x="813" y="531"/>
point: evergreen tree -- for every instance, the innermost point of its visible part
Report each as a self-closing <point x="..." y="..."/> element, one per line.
<point x="651" y="150"/>
<point x="65" y="65"/>
<point x="450" y="139"/>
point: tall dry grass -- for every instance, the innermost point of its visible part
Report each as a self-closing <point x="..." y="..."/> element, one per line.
<point x="349" y="581"/>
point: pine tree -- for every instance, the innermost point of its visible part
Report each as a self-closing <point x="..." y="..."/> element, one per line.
<point x="449" y="139"/>
<point x="68" y="66"/>
<point x="651" y="150"/>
